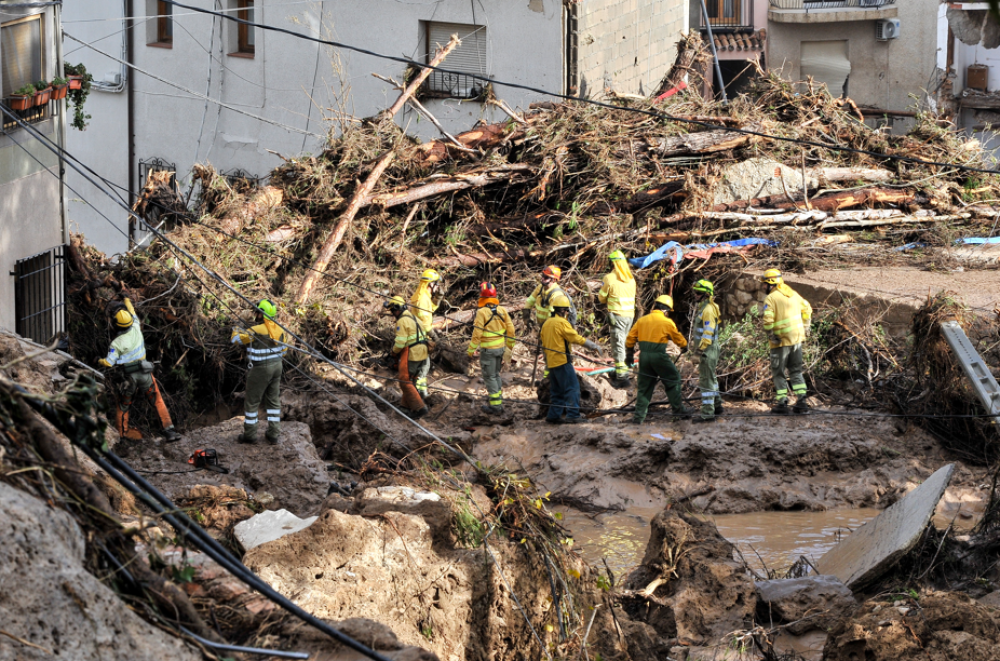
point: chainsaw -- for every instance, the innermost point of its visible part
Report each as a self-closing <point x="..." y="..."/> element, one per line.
<point x="208" y="459"/>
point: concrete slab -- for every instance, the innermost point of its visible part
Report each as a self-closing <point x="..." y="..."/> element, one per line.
<point x="874" y="547"/>
<point x="269" y="526"/>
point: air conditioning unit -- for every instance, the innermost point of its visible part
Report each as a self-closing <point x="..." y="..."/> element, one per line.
<point x="886" y="29"/>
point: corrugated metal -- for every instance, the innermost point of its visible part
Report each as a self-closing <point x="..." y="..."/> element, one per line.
<point x="470" y="56"/>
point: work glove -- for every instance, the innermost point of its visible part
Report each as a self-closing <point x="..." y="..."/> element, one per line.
<point x="704" y="344"/>
<point x="590" y="345"/>
<point x="508" y="355"/>
<point x="472" y="353"/>
<point x="630" y="356"/>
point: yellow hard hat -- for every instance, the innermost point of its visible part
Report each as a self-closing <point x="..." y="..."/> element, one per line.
<point x="430" y="275"/>
<point x="553" y="272"/>
<point x="560" y="300"/>
<point x="123" y="318"/>
<point x="665" y="300"/>
<point x="772" y="277"/>
<point x="395" y="303"/>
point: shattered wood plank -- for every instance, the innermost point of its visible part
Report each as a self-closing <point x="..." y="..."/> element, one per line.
<point x="446" y="185"/>
<point x="484" y="137"/>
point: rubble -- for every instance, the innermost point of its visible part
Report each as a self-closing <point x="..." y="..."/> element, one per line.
<point x="803" y="604"/>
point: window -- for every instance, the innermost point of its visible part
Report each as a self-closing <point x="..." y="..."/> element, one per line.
<point x="162" y="32"/>
<point x="469" y="58"/>
<point x="244" y="45"/>
<point x="826" y="62"/>
<point x="22" y="53"/>
<point x="723" y="13"/>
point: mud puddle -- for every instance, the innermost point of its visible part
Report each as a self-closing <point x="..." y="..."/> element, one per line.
<point x="768" y="540"/>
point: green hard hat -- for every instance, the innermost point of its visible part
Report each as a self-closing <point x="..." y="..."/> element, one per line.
<point x="705" y="287"/>
<point x="268" y="308"/>
<point x="618" y="254"/>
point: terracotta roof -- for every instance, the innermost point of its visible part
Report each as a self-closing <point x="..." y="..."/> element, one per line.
<point x="746" y="41"/>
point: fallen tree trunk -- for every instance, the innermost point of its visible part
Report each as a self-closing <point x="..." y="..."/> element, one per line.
<point x="484" y="137"/>
<point x="829" y="202"/>
<point x="446" y="185"/>
<point x="703" y="142"/>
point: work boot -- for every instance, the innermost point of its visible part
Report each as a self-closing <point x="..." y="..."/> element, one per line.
<point x="574" y="421"/>
<point x="244" y="438"/>
<point x="491" y="409"/>
<point x="554" y="421"/>
<point x="637" y="421"/>
<point x="272" y="440"/>
<point x="801" y="405"/>
<point x="621" y="382"/>
<point x="781" y="408"/>
<point x="684" y="414"/>
<point x="170" y="435"/>
<point x="719" y="410"/>
<point x="701" y="419"/>
<point x="416" y="415"/>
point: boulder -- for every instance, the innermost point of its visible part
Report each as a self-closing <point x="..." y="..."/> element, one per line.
<point x="758" y="177"/>
<point x="269" y="526"/>
<point x="288" y="475"/>
<point x="811" y="602"/>
<point x="688" y="586"/>
<point x="50" y="600"/>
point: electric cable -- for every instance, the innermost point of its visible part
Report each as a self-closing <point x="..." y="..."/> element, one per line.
<point x="569" y="97"/>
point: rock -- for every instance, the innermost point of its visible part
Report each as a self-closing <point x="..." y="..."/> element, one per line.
<point x="812" y="602"/>
<point x="756" y="177"/>
<point x="269" y="526"/>
<point x="702" y="593"/>
<point x="878" y="544"/>
<point x="992" y="599"/>
<point x="946" y="626"/>
<point x="290" y="471"/>
<point x="49" y="599"/>
<point x="429" y="506"/>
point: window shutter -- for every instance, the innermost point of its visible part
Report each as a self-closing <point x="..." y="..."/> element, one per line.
<point x="469" y="57"/>
<point x="21" y="53"/>
<point x="826" y="62"/>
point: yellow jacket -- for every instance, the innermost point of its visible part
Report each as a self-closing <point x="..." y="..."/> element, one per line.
<point x="706" y="323"/>
<point x="423" y="306"/>
<point x="265" y="342"/>
<point x="410" y="333"/>
<point x="540" y="299"/>
<point x="492" y="329"/>
<point x="653" y="331"/>
<point x="618" y="294"/>
<point x="557" y="334"/>
<point x="786" y="317"/>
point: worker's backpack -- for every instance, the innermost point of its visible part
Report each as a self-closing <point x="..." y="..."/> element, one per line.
<point x="571" y="315"/>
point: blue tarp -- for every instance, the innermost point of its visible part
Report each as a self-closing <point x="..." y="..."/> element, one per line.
<point x="677" y="250"/>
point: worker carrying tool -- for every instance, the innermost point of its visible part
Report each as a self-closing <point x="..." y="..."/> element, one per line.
<point x="564" y="387"/>
<point x="128" y="351"/>
<point x="618" y="293"/>
<point x="424" y="302"/>
<point x="787" y="317"/>
<point x="410" y="349"/>
<point x="706" y="326"/>
<point x="652" y="333"/>
<point x="493" y="340"/>
<point x="266" y="348"/>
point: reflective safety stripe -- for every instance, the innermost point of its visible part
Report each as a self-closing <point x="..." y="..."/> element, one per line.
<point x="274" y="411"/>
<point x="799" y="388"/>
<point x="618" y="304"/>
<point x="496" y="398"/>
<point x="781" y="326"/>
<point x="250" y="417"/>
<point x="273" y="418"/>
<point x="139" y="353"/>
<point x="782" y="393"/>
<point x="264" y="353"/>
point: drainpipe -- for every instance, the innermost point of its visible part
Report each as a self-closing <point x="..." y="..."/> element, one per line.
<point x="715" y="54"/>
<point x="130" y="112"/>
<point x="61" y="124"/>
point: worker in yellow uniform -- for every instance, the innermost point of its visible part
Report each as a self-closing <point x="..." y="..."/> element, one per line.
<point x="787" y="317"/>
<point x="128" y="351"/>
<point x="493" y="340"/>
<point x="618" y="293"/>
<point x="266" y="347"/>
<point x="541" y="298"/>
<point x="423" y="304"/>
<point x="706" y="326"/>
<point x="564" y="387"/>
<point x="651" y="334"/>
<point x="410" y="348"/>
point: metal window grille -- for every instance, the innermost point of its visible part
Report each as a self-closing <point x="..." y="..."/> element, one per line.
<point x="32" y="115"/>
<point x="40" y="295"/>
<point x="467" y="60"/>
<point x="729" y="13"/>
<point x="241" y="179"/>
<point x="139" y="234"/>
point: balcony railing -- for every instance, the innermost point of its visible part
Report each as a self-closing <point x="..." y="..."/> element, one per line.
<point x="727" y="15"/>
<point x="32" y="115"/>
<point x="807" y="5"/>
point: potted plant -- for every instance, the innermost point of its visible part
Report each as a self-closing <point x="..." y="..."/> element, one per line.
<point x="23" y="98"/>
<point x="79" y="88"/>
<point x="59" y="88"/>
<point x="43" y="92"/>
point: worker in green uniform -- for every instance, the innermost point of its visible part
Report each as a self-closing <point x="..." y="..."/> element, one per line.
<point x="706" y="325"/>
<point x="128" y="351"/>
<point x="493" y="339"/>
<point x="266" y="348"/>
<point x="652" y="333"/>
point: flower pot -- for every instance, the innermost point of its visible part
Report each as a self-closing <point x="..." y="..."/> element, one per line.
<point x="75" y="82"/>
<point x="42" y="97"/>
<point x="59" y="92"/>
<point x="18" y="102"/>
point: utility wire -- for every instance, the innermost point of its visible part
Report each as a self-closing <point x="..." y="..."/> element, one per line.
<point x="569" y="97"/>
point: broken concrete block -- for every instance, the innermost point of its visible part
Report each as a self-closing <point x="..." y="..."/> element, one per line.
<point x="877" y="545"/>
<point x="811" y="602"/>
<point x="967" y="25"/>
<point x="758" y="177"/>
<point x="269" y="526"/>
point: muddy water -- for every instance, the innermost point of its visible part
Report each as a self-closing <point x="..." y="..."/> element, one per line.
<point x="771" y="540"/>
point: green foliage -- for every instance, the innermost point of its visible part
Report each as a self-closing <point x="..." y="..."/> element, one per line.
<point x="743" y="343"/>
<point x="468" y="528"/>
<point x="79" y="97"/>
<point x="59" y="82"/>
<point x="27" y="90"/>
<point x="184" y="574"/>
<point x="41" y="85"/>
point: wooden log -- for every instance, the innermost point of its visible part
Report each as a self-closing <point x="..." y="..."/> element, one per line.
<point x="688" y="51"/>
<point x="484" y="137"/>
<point x="830" y="201"/>
<point x="703" y="142"/>
<point x="446" y="185"/>
<point x="364" y="190"/>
